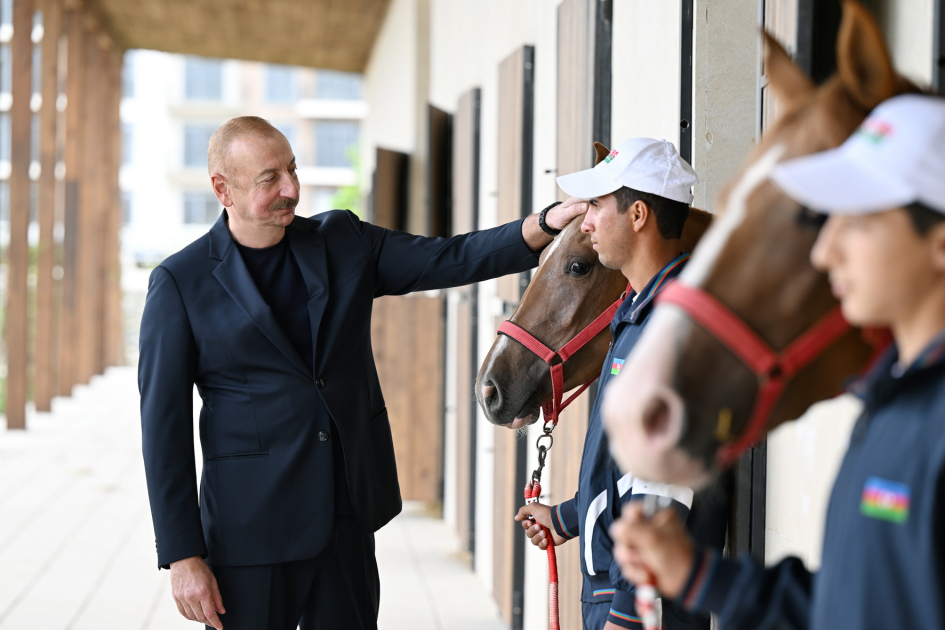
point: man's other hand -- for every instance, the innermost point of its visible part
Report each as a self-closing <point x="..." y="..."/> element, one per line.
<point x="659" y="545"/>
<point x="532" y="516"/>
<point x="196" y="592"/>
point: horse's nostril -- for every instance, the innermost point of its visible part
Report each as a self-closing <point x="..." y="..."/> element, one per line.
<point x="656" y="416"/>
<point x="488" y="390"/>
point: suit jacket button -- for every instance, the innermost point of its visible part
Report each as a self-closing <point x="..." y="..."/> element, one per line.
<point x="322" y="436"/>
<point x="319" y="383"/>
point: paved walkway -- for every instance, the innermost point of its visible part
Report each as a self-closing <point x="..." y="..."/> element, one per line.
<point x="77" y="547"/>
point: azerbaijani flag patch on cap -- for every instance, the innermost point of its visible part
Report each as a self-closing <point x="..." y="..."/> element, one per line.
<point x="616" y="366"/>
<point x="874" y="130"/>
<point x="610" y="156"/>
<point x="885" y="500"/>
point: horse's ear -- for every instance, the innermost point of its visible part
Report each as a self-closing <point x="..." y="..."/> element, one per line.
<point x="863" y="60"/>
<point x="601" y="151"/>
<point x="785" y="77"/>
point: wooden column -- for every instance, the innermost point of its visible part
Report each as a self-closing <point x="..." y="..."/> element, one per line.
<point x="88" y="271"/>
<point x="73" y="141"/>
<point x="18" y="254"/>
<point x="112" y="346"/>
<point x="44" y="378"/>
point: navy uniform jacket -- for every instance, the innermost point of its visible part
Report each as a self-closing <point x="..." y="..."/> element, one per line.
<point x="267" y="488"/>
<point x="884" y="542"/>
<point x="603" y="489"/>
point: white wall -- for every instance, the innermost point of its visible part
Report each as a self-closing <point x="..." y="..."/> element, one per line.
<point x="645" y="62"/>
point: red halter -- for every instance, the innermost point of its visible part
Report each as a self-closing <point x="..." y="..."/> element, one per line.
<point x="774" y="369"/>
<point x="552" y="409"/>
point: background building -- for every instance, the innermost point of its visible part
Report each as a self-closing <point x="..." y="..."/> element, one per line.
<point x="171" y="105"/>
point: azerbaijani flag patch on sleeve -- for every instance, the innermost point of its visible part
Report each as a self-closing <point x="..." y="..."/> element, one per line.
<point x="885" y="500"/>
<point x="616" y="366"/>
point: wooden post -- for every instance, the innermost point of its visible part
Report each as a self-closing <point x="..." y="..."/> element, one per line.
<point x="68" y="329"/>
<point x="45" y="366"/>
<point x="18" y="254"/>
<point x="112" y="334"/>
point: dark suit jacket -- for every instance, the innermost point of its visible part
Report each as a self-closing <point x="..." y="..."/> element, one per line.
<point x="267" y="492"/>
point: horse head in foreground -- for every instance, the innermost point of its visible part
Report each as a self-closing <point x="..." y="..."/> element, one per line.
<point x="568" y="292"/>
<point x="751" y="336"/>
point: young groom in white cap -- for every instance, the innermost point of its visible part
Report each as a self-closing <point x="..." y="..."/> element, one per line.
<point x="638" y="201"/>
<point x="883" y="247"/>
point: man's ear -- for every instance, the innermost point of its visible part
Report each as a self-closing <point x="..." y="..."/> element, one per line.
<point x="640" y="214"/>
<point x="221" y="189"/>
<point x="937" y="240"/>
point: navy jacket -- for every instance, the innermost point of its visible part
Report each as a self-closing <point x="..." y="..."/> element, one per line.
<point x="884" y="542"/>
<point x="267" y="491"/>
<point x="603" y="489"/>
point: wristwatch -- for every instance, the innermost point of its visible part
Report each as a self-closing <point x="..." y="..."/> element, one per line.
<point x="544" y="226"/>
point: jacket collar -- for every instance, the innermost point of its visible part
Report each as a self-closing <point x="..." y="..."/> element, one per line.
<point x="634" y="310"/>
<point x="308" y="247"/>
<point x="887" y="372"/>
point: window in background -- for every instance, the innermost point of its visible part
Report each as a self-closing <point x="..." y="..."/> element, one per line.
<point x="322" y="199"/>
<point x="288" y="130"/>
<point x="34" y="138"/>
<point x="126" y="196"/>
<point x="203" y="79"/>
<point x="281" y="84"/>
<point x="4" y="137"/>
<point x="334" y="142"/>
<point x="334" y="85"/>
<point x="201" y="207"/>
<point x="128" y="76"/>
<point x="37" y="68"/>
<point x="6" y="69"/>
<point x="196" y="143"/>
<point x="127" y="137"/>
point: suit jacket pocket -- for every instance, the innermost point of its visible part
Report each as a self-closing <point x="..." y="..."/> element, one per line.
<point x="217" y="458"/>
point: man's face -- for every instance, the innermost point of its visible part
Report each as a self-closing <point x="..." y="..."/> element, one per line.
<point x="611" y="231"/>
<point x="880" y="268"/>
<point x="264" y="186"/>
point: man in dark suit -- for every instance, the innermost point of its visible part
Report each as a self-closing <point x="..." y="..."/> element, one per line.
<point x="269" y="315"/>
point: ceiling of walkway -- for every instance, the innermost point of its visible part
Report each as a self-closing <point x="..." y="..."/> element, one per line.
<point x="334" y="34"/>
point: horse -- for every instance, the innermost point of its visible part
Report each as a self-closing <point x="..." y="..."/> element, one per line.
<point x="569" y="290"/>
<point x="720" y="363"/>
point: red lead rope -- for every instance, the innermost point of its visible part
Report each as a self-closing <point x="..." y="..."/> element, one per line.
<point x="532" y="492"/>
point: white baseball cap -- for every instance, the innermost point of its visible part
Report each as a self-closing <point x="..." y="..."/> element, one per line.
<point x="644" y="164"/>
<point x="895" y="158"/>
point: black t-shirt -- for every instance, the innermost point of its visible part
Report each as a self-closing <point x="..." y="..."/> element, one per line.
<point x="279" y="280"/>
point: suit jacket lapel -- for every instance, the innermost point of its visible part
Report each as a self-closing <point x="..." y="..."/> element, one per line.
<point x="234" y="276"/>
<point x="308" y="247"/>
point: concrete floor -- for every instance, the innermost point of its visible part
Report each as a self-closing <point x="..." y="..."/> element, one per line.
<point x="77" y="546"/>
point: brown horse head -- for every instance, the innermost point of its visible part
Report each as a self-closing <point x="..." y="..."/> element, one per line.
<point x="568" y="291"/>
<point x="683" y="394"/>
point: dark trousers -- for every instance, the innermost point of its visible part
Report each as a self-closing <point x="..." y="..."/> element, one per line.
<point x="338" y="589"/>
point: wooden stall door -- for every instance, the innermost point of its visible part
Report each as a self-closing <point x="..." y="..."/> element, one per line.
<point x="407" y="338"/>
<point x="583" y="117"/>
<point x="516" y="115"/>
<point x="465" y="218"/>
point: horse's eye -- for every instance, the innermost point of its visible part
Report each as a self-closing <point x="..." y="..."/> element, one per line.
<point x="809" y="218"/>
<point x="578" y="268"/>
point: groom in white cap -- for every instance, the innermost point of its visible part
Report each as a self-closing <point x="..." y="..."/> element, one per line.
<point x="883" y="248"/>
<point x="638" y="201"/>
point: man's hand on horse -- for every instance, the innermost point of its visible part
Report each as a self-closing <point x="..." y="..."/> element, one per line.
<point x="532" y="516"/>
<point x="196" y="592"/>
<point x="557" y="218"/>
<point x="659" y="546"/>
